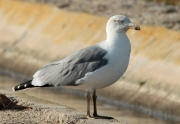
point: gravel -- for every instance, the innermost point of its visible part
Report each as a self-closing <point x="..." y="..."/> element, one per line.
<point x="140" y="11"/>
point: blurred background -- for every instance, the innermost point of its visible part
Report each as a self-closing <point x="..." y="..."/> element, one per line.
<point x="36" y="32"/>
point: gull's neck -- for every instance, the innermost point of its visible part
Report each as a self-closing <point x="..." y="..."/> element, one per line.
<point x="117" y="39"/>
<point x="119" y="48"/>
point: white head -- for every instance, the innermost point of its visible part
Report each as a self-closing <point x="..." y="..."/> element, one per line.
<point x="120" y="24"/>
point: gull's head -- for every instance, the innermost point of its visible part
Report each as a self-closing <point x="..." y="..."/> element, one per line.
<point x="120" y="24"/>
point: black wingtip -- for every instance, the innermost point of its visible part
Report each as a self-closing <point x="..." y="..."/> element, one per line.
<point x="27" y="85"/>
<point x="23" y="86"/>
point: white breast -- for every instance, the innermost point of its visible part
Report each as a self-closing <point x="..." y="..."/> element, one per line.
<point x="118" y="57"/>
<point x="118" y="60"/>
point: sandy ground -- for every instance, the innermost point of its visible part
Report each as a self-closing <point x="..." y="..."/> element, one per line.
<point x="26" y="109"/>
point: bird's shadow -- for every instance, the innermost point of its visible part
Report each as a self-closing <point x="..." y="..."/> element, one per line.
<point x="103" y="117"/>
<point x="97" y="117"/>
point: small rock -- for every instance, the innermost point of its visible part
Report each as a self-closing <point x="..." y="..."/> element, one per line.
<point x="4" y="101"/>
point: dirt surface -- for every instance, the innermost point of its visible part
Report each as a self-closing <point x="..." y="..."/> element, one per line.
<point x="36" y="111"/>
<point x="140" y="11"/>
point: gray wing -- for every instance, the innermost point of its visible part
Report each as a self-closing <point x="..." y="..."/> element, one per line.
<point x="67" y="71"/>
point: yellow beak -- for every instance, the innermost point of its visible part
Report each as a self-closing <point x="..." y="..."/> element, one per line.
<point x="133" y="26"/>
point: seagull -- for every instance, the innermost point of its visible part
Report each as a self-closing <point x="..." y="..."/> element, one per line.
<point x="91" y="68"/>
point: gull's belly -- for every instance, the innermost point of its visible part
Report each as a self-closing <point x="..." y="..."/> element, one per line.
<point x="111" y="74"/>
<point x="102" y="77"/>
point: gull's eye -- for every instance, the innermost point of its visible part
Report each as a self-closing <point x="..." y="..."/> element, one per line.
<point x="120" y="21"/>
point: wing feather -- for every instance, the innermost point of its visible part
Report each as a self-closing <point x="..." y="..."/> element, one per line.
<point x="67" y="71"/>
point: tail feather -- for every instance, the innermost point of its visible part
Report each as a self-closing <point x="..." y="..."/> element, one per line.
<point x="26" y="85"/>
